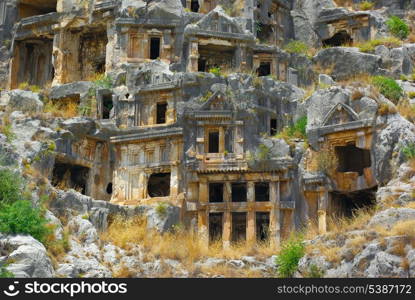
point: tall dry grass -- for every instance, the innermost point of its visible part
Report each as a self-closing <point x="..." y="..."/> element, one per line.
<point x="182" y="245"/>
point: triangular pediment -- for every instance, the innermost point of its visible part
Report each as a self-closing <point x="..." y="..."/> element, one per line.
<point x="217" y="102"/>
<point x="217" y="20"/>
<point x="340" y="114"/>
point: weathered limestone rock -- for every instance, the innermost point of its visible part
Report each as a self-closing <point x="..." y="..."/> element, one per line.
<point x="28" y="256"/>
<point x="26" y="101"/>
<point x="389" y="217"/>
<point x="342" y="62"/>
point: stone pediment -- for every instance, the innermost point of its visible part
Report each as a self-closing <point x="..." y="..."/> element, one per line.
<point x="340" y="114"/>
<point x="217" y="20"/>
<point x="217" y="102"/>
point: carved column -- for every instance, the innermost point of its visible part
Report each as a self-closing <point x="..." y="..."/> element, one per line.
<point x="203" y="213"/>
<point x="251" y="228"/>
<point x="322" y="211"/>
<point x="192" y="65"/>
<point x="227" y="216"/>
<point x="275" y="230"/>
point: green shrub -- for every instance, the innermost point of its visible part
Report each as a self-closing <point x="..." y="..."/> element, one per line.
<point x="10" y="187"/>
<point x="4" y="273"/>
<point x="409" y="151"/>
<point x="21" y="217"/>
<point x="366" y="5"/>
<point x="291" y="253"/>
<point x="161" y="209"/>
<point x="299" y="128"/>
<point x="297" y="47"/>
<point x="315" y="272"/>
<point x="398" y="27"/>
<point x="263" y="152"/>
<point x="215" y="70"/>
<point x="388" y="87"/>
<point x="369" y="46"/>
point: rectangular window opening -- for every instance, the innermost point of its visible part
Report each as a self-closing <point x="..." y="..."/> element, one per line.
<point x="214" y="142"/>
<point x="154" y="48"/>
<point x="215" y="226"/>
<point x="161" y="113"/>
<point x="216" y="192"/>
<point x="262" y="226"/>
<point x="264" y="69"/>
<point x="261" y="191"/>
<point x="107" y="106"/>
<point x="273" y="127"/>
<point x="238" y="226"/>
<point x="239" y="192"/>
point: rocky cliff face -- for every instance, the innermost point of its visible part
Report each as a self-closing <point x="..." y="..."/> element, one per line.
<point x="143" y="126"/>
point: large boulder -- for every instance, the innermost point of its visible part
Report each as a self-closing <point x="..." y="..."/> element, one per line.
<point x="394" y="134"/>
<point x="28" y="257"/>
<point x="163" y="217"/>
<point x="389" y="217"/>
<point x="344" y="62"/>
<point x="25" y="101"/>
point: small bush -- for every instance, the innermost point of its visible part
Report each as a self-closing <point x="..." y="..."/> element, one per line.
<point x="215" y="70"/>
<point x="4" y="273"/>
<point x="366" y="5"/>
<point x="263" y="152"/>
<point x="101" y="80"/>
<point x="27" y="87"/>
<point x="10" y="187"/>
<point x="297" y="47"/>
<point x="398" y="27"/>
<point x="411" y="95"/>
<point x="388" y="87"/>
<point x="409" y="151"/>
<point x="291" y="252"/>
<point x="315" y="272"/>
<point x="386" y="109"/>
<point x="369" y="46"/>
<point x="21" y="217"/>
<point x="327" y="161"/>
<point x="161" y="209"/>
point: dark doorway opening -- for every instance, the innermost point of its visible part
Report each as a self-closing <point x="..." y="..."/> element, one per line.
<point x="161" y="112"/>
<point x="159" y="185"/>
<point x="273" y="127"/>
<point x="238" y="226"/>
<point x="215" y="226"/>
<point x="264" y="69"/>
<point x="339" y="39"/>
<point x="214" y="142"/>
<point x="154" y="48"/>
<point x="109" y="188"/>
<point x="194" y="6"/>
<point x="107" y="106"/>
<point x="262" y="226"/>
<point x="216" y="192"/>
<point x="201" y="65"/>
<point x="261" y="191"/>
<point x="352" y="159"/>
<point x="264" y="32"/>
<point x="67" y="176"/>
<point x="29" y="8"/>
<point x="344" y="204"/>
<point x="239" y="192"/>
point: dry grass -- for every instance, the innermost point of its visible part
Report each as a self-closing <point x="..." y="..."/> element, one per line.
<point x="406" y="110"/>
<point x="357" y="95"/>
<point x="386" y="109"/>
<point x="181" y="245"/>
<point x="61" y="109"/>
<point x="406" y="228"/>
<point x="123" y="272"/>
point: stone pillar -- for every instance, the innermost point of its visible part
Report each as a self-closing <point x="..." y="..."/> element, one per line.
<point x="251" y="228"/>
<point x="192" y="65"/>
<point x="227" y="216"/>
<point x="275" y="230"/>
<point x="203" y="213"/>
<point x="322" y="211"/>
<point x="174" y="181"/>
